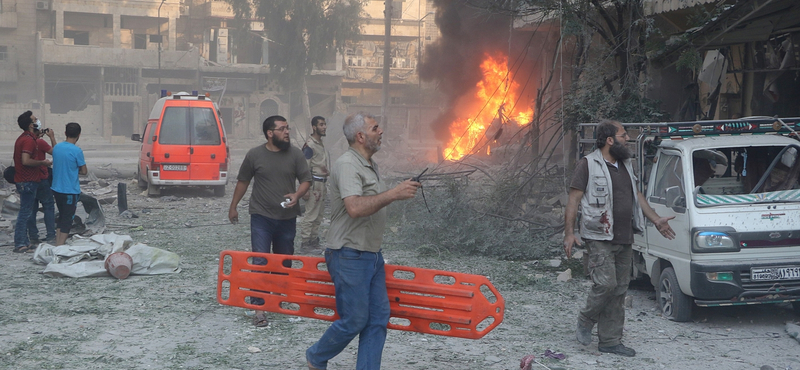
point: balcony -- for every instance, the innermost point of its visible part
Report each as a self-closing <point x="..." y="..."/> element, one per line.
<point x="90" y="55"/>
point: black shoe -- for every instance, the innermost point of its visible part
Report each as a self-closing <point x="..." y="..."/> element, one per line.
<point x="583" y="334"/>
<point x="619" y="349"/>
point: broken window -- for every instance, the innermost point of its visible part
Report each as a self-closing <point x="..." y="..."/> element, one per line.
<point x="755" y="170"/>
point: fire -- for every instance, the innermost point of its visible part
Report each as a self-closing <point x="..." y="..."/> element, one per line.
<point x="495" y="95"/>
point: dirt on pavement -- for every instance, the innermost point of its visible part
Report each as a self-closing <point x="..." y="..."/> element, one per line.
<point x="174" y="321"/>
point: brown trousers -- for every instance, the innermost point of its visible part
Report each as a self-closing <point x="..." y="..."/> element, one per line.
<point x="309" y="225"/>
<point x="610" y="269"/>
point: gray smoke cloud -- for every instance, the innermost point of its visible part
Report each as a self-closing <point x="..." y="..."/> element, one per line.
<point x="454" y="60"/>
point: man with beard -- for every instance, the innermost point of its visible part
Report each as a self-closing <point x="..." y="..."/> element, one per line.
<point x="314" y="151"/>
<point x="273" y="203"/>
<point x="612" y="209"/>
<point x="354" y="259"/>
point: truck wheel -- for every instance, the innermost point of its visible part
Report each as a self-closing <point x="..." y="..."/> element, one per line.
<point x="153" y="190"/>
<point x="674" y="305"/>
<point x="142" y="184"/>
<point x="219" y="191"/>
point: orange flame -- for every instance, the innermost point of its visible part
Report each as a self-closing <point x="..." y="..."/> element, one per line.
<point x="493" y="96"/>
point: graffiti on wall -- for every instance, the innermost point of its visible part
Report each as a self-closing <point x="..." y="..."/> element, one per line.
<point x="239" y="112"/>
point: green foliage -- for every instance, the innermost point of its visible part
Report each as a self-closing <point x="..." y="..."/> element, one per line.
<point x="590" y="100"/>
<point x="303" y="32"/>
<point x="462" y="221"/>
<point x="689" y="59"/>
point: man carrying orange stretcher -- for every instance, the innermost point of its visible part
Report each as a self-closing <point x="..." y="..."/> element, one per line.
<point x="353" y="287"/>
<point x="353" y="257"/>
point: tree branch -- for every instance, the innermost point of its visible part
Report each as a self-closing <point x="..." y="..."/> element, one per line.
<point x="605" y="15"/>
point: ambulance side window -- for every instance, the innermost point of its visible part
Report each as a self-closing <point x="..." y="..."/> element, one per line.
<point x="148" y="133"/>
<point x="669" y="173"/>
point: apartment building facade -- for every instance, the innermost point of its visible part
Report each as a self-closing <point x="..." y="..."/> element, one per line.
<point x="98" y="62"/>
<point x="412" y="27"/>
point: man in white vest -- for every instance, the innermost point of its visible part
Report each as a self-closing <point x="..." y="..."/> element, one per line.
<point x="612" y="209"/>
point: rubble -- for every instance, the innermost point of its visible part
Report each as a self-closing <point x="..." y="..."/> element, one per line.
<point x="793" y="330"/>
<point x="564" y="276"/>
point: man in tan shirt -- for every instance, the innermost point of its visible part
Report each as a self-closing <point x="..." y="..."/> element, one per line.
<point x="353" y="257"/>
<point x="317" y="157"/>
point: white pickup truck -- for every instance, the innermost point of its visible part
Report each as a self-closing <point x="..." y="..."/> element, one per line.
<point x="733" y="188"/>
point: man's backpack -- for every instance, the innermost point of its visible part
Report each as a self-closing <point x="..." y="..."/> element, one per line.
<point x="9" y="173"/>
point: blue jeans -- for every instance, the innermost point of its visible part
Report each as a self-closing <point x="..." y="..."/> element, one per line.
<point x="359" y="279"/>
<point x="266" y="232"/>
<point x="44" y="196"/>
<point x="27" y="198"/>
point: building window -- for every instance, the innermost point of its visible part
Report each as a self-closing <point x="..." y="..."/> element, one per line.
<point x="156" y="38"/>
<point x="397" y="9"/>
<point x="140" y="41"/>
<point x="3" y="53"/>
<point x="79" y="37"/>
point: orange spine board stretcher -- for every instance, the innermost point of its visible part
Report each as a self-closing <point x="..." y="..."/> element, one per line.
<point x="421" y="300"/>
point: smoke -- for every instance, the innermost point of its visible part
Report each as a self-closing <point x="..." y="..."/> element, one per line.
<point x="453" y="61"/>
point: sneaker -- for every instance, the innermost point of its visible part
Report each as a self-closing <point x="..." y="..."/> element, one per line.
<point x="23" y="249"/>
<point x="583" y="333"/>
<point x="619" y="349"/>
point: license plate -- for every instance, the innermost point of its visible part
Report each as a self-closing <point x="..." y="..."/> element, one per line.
<point x="174" y="167"/>
<point x="775" y="273"/>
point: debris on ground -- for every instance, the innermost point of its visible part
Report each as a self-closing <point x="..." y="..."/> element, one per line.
<point x="85" y="257"/>
<point x="565" y="275"/>
<point x="793" y="330"/>
<point x="526" y="362"/>
<point x="556" y="356"/>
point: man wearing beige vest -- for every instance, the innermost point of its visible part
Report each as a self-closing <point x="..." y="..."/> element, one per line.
<point x="612" y="210"/>
<point x="317" y="157"/>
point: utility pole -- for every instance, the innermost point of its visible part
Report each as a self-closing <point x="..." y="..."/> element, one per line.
<point x="159" y="47"/>
<point x="419" y="61"/>
<point x="387" y="61"/>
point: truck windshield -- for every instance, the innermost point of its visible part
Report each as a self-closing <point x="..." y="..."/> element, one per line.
<point x="189" y="126"/>
<point x="741" y="175"/>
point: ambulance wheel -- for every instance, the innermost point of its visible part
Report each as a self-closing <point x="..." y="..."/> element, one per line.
<point x="142" y="184"/>
<point x="219" y="190"/>
<point x="674" y="305"/>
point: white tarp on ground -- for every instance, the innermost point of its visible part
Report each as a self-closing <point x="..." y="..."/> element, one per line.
<point x="85" y="257"/>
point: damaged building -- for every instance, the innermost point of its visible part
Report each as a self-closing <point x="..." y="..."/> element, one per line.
<point x="746" y="58"/>
<point x="104" y="63"/>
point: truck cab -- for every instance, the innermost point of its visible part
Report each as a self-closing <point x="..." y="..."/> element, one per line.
<point x="733" y="187"/>
<point x="183" y="144"/>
